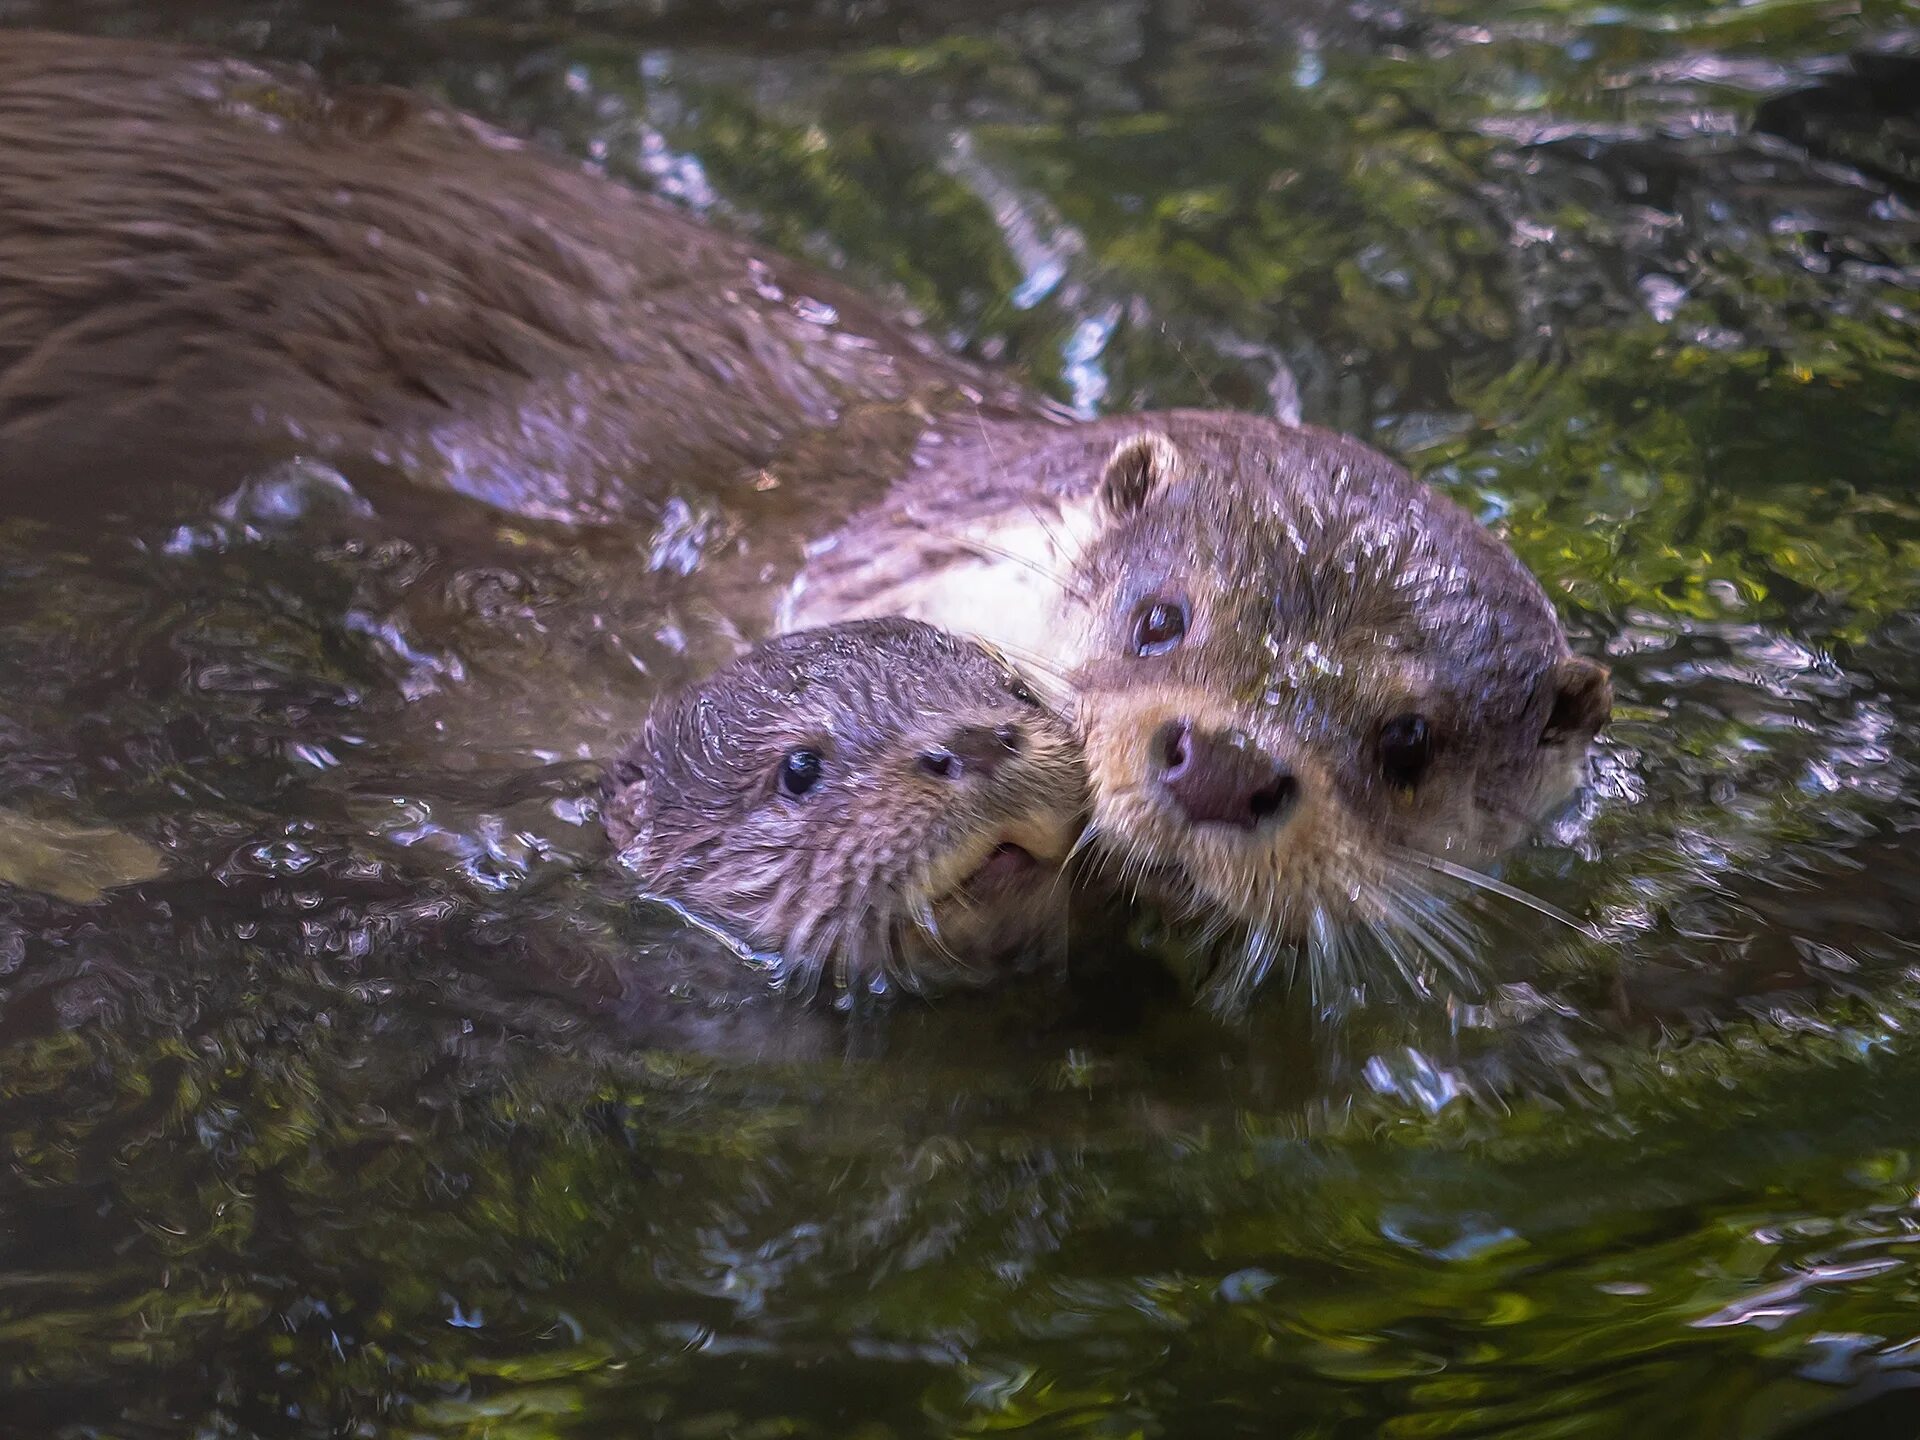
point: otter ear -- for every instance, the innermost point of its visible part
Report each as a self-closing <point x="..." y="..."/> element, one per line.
<point x="1582" y="701"/>
<point x="1139" y="465"/>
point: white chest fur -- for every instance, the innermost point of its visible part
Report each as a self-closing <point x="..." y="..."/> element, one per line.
<point x="1006" y="578"/>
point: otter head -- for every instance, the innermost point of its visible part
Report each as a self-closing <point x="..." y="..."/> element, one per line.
<point x="879" y="804"/>
<point x="1305" y="680"/>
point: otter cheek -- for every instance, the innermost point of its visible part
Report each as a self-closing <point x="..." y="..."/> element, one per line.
<point x="1440" y="816"/>
<point x="764" y="877"/>
<point x="1531" y="793"/>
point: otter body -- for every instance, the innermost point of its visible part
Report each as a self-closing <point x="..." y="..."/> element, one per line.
<point x="1304" y="681"/>
<point x="879" y="804"/>
<point x="209" y="264"/>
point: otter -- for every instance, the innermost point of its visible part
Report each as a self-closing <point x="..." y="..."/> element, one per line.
<point x="1307" y="685"/>
<point x="873" y="806"/>
<point x="1305" y="682"/>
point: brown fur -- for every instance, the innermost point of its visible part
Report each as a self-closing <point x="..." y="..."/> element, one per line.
<point x="207" y="264"/>
<point x="1328" y="591"/>
<point x="866" y="876"/>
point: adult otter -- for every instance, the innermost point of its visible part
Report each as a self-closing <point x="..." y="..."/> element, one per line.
<point x="1296" y="668"/>
<point x="880" y="803"/>
<point x="1304" y="679"/>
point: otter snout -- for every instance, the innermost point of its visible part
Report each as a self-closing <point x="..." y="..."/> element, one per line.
<point x="973" y="750"/>
<point x="1221" y="777"/>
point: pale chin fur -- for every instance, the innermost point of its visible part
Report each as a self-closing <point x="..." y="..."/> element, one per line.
<point x="1354" y="922"/>
<point x="1045" y="837"/>
<point x="1317" y="897"/>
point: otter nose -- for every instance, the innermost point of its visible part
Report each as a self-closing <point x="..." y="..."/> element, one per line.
<point x="1221" y="778"/>
<point x="973" y="750"/>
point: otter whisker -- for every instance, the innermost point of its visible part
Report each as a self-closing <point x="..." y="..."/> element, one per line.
<point x="1136" y="865"/>
<point x="875" y="963"/>
<point x="1296" y="962"/>
<point x="1408" y="965"/>
<point x="1060" y="875"/>
<point x="1464" y="944"/>
<point x="1450" y="920"/>
<point x="861" y="965"/>
<point x="1206" y="385"/>
<point x="986" y="439"/>
<point x="801" y="974"/>
<point x="1478" y="880"/>
<point x="1411" y="966"/>
<point x="1005" y="472"/>
<point x="1318" y="959"/>
<point x="1255" y="962"/>
<point x="1326" y="967"/>
<point x="854" y="958"/>
<point x="1089" y="838"/>
<point x="759" y="959"/>
<point x="1212" y="925"/>
<point x="1230" y="983"/>
<point x="1441" y="938"/>
<point x="1035" y="661"/>
<point x="922" y="915"/>
<point x="1125" y="864"/>
<point x="1063" y="543"/>
<point x="814" y="948"/>
<point x="1441" y="947"/>
<point x="1354" y="946"/>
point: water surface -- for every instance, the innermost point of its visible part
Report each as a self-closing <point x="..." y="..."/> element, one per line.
<point x="358" y="1112"/>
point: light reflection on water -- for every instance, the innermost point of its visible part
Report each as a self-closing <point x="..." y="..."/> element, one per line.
<point x="376" y="1109"/>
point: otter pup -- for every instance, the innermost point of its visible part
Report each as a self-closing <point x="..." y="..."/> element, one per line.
<point x="879" y="804"/>
<point x="1305" y="682"/>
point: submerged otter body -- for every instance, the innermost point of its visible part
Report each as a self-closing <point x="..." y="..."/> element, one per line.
<point x="209" y="264"/>
<point x="1304" y="681"/>
<point x="879" y="805"/>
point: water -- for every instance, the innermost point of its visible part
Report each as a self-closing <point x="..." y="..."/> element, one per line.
<point x="339" y="1096"/>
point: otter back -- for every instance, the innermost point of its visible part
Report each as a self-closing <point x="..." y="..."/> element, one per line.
<point x="207" y="264"/>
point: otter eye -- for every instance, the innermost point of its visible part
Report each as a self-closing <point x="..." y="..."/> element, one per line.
<point x="1158" y="626"/>
<point x="1406" y="749"/>
<point x="1021" y="691"/>
<point x="799" y="772"/>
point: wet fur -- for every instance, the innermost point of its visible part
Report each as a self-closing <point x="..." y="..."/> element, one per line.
<point x="1329" y="592"/>
<point x="859" y="883"/>
<point x="209" y="264"/>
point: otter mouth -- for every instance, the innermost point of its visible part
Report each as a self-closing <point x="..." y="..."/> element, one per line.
<point x="1011" y="861"/>
<point x="1009" y="866"/>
